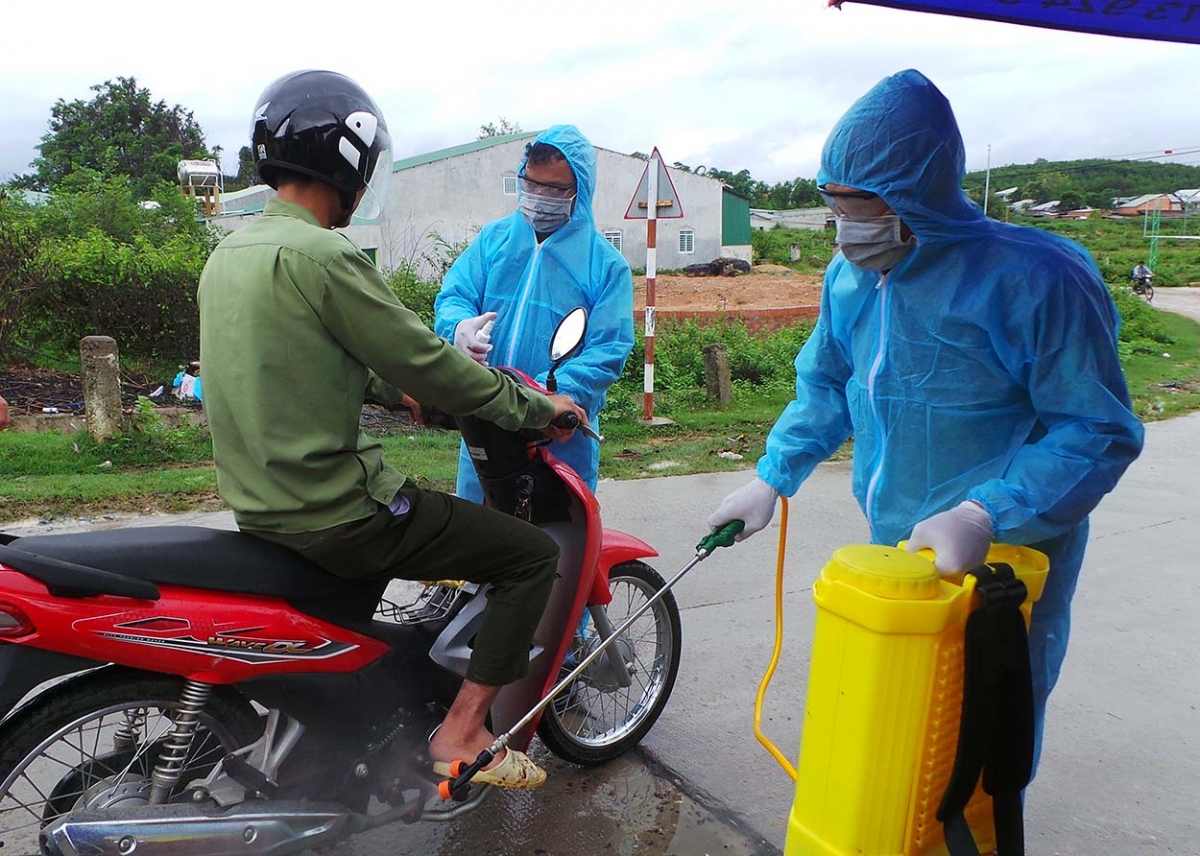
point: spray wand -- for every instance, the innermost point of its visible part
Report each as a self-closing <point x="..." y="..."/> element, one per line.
<point x="459" y="787"/>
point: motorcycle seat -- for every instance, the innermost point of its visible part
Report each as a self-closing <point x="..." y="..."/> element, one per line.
<point x="195" y="557"/>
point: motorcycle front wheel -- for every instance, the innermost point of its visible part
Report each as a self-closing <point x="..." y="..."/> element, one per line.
<point x="92" y="743"/>
<point x="595" y="719"/>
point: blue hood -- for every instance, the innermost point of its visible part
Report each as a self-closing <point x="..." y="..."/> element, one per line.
<point x="581" y="156"/>
<point x="900" y="140"/>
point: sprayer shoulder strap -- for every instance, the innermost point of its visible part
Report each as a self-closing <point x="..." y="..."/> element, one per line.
<point x="996" y="734"/>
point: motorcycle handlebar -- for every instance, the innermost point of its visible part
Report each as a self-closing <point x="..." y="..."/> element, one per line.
<point x="569" y="421"/>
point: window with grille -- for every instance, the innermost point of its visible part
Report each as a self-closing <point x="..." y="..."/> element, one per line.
<point x="510" y="185"/>
<point x="614" y="238"/>
<point x="687" y="241"/>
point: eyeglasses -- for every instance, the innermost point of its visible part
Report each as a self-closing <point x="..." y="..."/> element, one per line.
<point x="854" y="203"/>
<point x="553" y="191"/>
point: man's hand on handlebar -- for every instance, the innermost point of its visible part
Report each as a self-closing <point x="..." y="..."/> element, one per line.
<point x="567" y="417"/>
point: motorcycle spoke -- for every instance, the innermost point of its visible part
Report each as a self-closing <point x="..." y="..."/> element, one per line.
<point x="23" y="805"/>
<point x="139" y="755"/>
<point x="29" y="826"/>
<point x="600" y="715"/>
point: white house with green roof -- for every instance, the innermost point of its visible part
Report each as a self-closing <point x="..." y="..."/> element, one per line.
<point x="441" y="199"/>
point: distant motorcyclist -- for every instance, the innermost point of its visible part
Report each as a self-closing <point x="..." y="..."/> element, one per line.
<point x="1140" y="277"/>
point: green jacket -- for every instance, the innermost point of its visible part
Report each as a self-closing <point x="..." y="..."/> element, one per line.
<point x="297" y="327"/>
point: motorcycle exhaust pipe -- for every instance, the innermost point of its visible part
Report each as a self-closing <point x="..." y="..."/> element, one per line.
<point x="185" y="830"/>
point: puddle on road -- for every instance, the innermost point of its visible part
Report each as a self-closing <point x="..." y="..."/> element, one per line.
<point x="620" y="809"/>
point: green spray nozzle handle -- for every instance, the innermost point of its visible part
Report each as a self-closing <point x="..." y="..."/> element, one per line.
<point x="722" y="536"/>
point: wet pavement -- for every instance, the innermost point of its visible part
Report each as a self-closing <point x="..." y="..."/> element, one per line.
<point x="628" y="807"/>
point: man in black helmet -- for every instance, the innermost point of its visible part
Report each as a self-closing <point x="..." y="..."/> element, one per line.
<point x="291" y="459"/>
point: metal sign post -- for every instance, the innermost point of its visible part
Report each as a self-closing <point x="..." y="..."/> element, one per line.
<point x="654" y="199"/>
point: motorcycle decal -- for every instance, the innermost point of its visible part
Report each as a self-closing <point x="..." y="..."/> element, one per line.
<point x="242" y="650"/>
<point x="158" y="623"/>
<point x="244" y="644"/>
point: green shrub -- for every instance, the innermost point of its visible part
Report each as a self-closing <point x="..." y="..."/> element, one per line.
<point x="814" y="247"/>
<point x="415" y="293"/>
<point x="756" y="364"/>
<point x="148" y="441"/>
<point x="107" y="266"/>
<point x="1142" y="330"/>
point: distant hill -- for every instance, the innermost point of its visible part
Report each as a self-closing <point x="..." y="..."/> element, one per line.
<point x="1093" y="182"/>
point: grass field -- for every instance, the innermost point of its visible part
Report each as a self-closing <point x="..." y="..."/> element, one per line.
<point x="161" y="469"/>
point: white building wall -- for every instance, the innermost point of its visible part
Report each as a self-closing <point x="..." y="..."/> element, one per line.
<point x="437" y="205"/>
<point x="700" y="198"/>
<point x="443" y="203"/>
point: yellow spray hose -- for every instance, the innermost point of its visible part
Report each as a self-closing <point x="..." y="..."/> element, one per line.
<point x="762" y="687"/>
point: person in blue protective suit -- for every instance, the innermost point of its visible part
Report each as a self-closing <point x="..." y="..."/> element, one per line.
<point x="974" y="363"/>
<point x="525" y="272"/>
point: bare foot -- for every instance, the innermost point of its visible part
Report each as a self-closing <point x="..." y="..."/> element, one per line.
<point x="449" y="746"/>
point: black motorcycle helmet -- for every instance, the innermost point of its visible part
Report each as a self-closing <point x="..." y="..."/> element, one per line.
<point x="323" y="125"/>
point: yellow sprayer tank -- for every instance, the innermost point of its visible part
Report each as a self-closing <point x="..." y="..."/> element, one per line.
<point x="882" y="711"/>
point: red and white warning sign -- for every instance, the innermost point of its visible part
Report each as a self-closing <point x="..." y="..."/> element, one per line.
<point x="666" y="203"/>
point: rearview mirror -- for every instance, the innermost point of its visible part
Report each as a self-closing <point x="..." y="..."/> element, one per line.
<point x="569" y="335"/>
<point x="566" y="341"/>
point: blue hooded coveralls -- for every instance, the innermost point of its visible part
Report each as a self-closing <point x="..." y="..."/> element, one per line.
<point x="532" y="287"/>
<point x="983" y="366"/>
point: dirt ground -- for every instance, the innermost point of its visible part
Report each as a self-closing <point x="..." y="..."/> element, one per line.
<point x="32" y="390"/>
<point x="765" y="287"/>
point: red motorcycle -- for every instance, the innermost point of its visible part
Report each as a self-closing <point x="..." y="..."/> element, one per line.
<point x="183" y="690"/>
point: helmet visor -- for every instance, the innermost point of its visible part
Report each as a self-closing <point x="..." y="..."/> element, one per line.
<point x="371" y="205"/>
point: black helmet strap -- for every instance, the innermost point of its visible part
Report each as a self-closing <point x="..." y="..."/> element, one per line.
<point x="347" y="200"/>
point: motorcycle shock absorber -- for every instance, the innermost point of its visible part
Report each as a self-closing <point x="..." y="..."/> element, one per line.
<point x="129" y="731"/>
<point x="174" y="755"/>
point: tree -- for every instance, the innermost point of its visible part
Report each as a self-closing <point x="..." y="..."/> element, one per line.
<point x="101" y="263"/>
<point x="246" y="174"/>
<point x="742" y="182"/>
<point x="119" y="132"/>
<point x="20" y="274"/>
<point x="500" y="129"/>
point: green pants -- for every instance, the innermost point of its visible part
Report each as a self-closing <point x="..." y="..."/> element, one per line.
<point x="444" y="537"/>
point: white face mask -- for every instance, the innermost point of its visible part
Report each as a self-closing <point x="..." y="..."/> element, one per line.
<point x="544" y="213"/>
<point x="873" y="243"/>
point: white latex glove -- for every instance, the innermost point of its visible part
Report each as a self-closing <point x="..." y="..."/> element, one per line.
<point x="960" y="537"/>
<point x="752" y="503"/>
<point x="466" y="337"/>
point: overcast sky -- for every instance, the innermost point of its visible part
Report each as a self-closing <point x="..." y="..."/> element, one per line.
<point x="755" y="84"/>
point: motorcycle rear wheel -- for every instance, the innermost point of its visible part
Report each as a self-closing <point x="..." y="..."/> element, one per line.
<point x="63" y="750"/>
<point x="594" y="721"/>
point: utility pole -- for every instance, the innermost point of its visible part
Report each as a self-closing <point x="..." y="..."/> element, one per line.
<point x="655" y="199"/>
<point x="987" y="181"/>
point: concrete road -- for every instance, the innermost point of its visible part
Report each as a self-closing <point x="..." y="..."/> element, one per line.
<point x="1120" y="773"/>
<point x="1182" y="300"/>
<point x="1121" y="770"/>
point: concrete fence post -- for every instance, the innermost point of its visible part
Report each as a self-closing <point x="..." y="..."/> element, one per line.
<point x="101" y="385"/>
<point x="716" y="373"/>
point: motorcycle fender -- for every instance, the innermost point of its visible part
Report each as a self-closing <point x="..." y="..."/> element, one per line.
<point x="615" y="548"/>
<point x="22" y="668"/>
